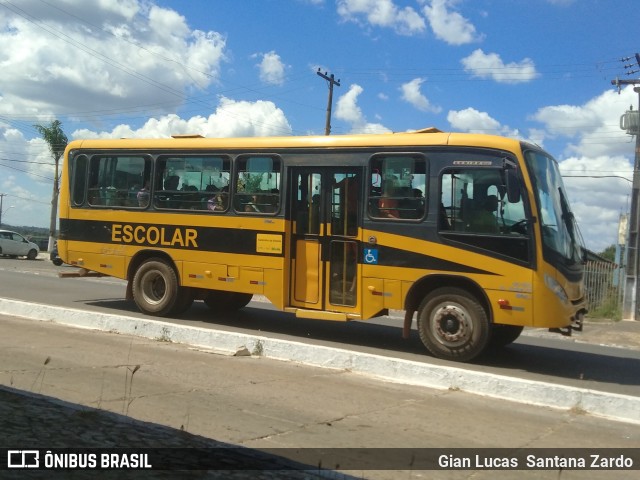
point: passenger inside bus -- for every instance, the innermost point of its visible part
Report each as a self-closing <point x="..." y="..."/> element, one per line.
<point x="170" y="185"/>
<point x="216" y="203"/>
<point x="484" y="219"/>
<point x="172" y="182"/>
<point x="252" y="205"/>
<point x="143" y="195"/>
<point x="388" y="204"/>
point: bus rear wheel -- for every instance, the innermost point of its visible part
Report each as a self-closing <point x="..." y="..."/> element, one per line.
<point x="186" y="296"/>
<point x="220" y="301"/>
<point x="155" y="288"/>
<point x="453" y="325"/>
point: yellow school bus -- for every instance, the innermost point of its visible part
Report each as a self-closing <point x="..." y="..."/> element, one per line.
<point x="472" y="232"/>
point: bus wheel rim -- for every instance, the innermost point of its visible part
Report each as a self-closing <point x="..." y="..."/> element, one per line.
<point x="451" y="325"/>
<point x="154" y="288"/>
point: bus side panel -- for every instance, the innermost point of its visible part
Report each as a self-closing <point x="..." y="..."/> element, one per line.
<point x="372" y="296"/>
<point x="511" y="308"/>
<point x="393" y="294"/>
<point x="273" y="282"/>
<point x="223" y="277"/>
<point x="204" y="275"/>
<point x="552" y="311"/>
<point x="107" y="259"/>
<point x="250" y="280"/>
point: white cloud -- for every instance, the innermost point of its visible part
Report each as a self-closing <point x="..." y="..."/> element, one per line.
<point x="231" y="119"/>
<point x="599" y="153"/>
<point x="272" y="69"/>
<point x="449" y="26"/>
<point x="382" y="13"/>
<point x="31" y="160"/>
<point x="471" y="120"/>
<point x="347" y="109"/>
<point x="127" y="50"/>
<point x="490" y="65"/>
<point x="594" y="125"/>
<point x="411" y="94"/>
<point x="598" y="202"/>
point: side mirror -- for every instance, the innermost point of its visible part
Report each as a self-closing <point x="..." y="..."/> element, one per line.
<point x="512" y="183"/>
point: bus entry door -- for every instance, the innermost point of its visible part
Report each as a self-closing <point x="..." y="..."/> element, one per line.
<point x="325" y="209"/>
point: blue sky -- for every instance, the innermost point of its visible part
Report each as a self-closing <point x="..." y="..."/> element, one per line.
<point x="539" y="70"/>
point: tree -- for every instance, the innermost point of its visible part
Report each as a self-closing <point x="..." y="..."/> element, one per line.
<point x="57" y="141"/>
<point x="609" y="253"/>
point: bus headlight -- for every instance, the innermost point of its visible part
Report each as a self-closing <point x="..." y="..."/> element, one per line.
<point x="555" y="287"/>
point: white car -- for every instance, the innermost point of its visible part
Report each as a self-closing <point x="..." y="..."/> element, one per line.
<point x="13" y="244"/>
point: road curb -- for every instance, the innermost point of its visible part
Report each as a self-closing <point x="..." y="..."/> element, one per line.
<point x="618" y="407"/>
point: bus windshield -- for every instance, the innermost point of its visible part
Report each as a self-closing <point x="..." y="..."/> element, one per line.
<point x="559" y="229"/>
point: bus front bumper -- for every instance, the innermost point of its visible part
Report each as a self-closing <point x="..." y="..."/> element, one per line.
<point x="577" y="322"/>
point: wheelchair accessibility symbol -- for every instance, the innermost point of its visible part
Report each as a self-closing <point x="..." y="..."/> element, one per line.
<point x="371" y="256"/>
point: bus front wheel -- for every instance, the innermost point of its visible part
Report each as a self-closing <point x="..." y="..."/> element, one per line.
<point x="155" y="288"/>
<point x="453" y="325"/>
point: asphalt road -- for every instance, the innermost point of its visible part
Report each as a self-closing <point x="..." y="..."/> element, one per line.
<point x="533" y="357"/>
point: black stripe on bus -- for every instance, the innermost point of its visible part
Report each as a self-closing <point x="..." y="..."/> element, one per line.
<point x="210" y="239"/>
<point x="228" y="240"/>
<point x="395" y="257"/>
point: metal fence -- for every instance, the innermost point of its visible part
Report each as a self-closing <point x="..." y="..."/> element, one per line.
<point x="603" y="283"/>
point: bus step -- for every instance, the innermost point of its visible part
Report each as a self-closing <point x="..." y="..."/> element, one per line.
<point x="318" y="314"/>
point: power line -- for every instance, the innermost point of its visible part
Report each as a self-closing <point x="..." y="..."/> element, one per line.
<point x="25" y="161"/>
<point x="25" y="171"/>
<point x="25" y="198"/>
<point x="598" y="176"/>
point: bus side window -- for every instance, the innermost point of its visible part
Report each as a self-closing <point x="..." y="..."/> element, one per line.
<point x="257" y="184"/>
<point x="115" y="180"/>
<point x="192" y="182"/>
<point x="398" y="188"/>
<point x="475" y="201"/>
<point x="78" y="176"/>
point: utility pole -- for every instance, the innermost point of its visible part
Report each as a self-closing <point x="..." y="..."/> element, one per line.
<point x="332" y="82"/>
<point x="631" y="122"/>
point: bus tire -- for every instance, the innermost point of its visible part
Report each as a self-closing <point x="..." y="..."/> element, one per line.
<point x="220" y="301"/>
<point x="155" y="288"/>
<point x="453" y="325"/>
<point x="186" y="296"/>
<point x="503" y="335"/>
